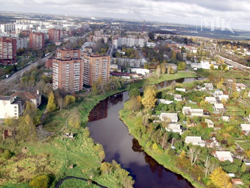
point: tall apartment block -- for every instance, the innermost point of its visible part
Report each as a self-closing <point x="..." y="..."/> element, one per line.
<point x="37" y="40"/>
<point x="54" y="35"/>
<point x="68" y="70"/>
<point x="7" y="50"/>
<point x="95" y="66"/>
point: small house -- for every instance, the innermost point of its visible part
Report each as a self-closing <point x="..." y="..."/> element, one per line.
<point x="224" y="156"/>
<point x="173" y="117"/>
<point x="177" y="97"/>
<point x="224" y="97"/>
<point x="163" y="101"/>
<point x="209" y="86"/>
<point x="217" y="93"/>
<point x="195" y="140"/>
<point x="218" y="107"/>
<point x="176" y="128"/>
<point x="210" y="123"/>
<point x="181" y="89"/>
<point x="211" y="143"/>
<point x="225" y="118"/>
<point x="240" y="86"/>
<point x="211" y="100"/>
<point x="237" y="181"/>
<point x="245" y="128"/>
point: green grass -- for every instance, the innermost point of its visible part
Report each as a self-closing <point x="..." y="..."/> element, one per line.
<point x="244" y="144"/>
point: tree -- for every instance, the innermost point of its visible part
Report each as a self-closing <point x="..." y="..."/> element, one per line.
<point x="149" y="99"/>
<point x="134" y="104"/>
<point x="41" y="181"/>
<point x="51" y="106"/>
<point x="220" y="86"/>
<point x="74" y="118"/>
<point x="245" y="95"/>
<point x="212" y="67"/>
<point x="193" y="153"/>
<point x="235" y="95"/>
<point x="158" y="71"/>
<point x="68" y="100"/>
<point x="243" y="167"/>
<point x="181" y="65"/>
<point x="169" y="69"/>
<point x="134" y="92"/>
<point x="220" y="179"/>
<point x="163" y="68"/>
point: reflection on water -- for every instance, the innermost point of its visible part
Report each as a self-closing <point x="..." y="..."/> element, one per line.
<point x="180" y="81"/>
<point x="110" y="131"/>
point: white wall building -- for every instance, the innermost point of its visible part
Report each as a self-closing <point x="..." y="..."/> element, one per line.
<point x="9" y="27"/>
<point x="11" y="107"/>
<point x="22" y="43"/>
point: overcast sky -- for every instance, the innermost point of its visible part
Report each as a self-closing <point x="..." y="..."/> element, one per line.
<point x="219" y="12"/>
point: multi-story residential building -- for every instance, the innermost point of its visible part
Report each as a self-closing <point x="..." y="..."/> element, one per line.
<point x="129" y="42"/>
<point x="37" y="40"/>
<point x="54" y="35"/>
<point x="11" y="107"/>
<point x="96" y="66"/>
<point x="22" y="43"/>
<point x="7" y="28"/>
<point x="7" y="50"/>
<point x="68" y="70"/>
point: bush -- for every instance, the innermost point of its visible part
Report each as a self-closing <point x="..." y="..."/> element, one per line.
<point x="7" y="154"/>
<point x="41" y="181"/>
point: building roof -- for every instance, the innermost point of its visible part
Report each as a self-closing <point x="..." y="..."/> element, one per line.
<point x="245" y="127"/>
<point x="192" y="139"/>
<point x="210" y="99"/>
<point x="209" y="121"/>
<point x="5" y="98"/>
<point x="172" y="116"/>
<point x="174" y="127"/>
<point x="218" y="106"/>
<point x="25" y="95"/>
<point x="224" y="154"/>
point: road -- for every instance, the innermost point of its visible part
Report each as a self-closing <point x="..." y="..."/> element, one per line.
<point x="234" y="64"/>
<point x="20" y="72"/>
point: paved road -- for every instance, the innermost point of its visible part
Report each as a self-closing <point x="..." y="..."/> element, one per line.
<point x="20" y="72"/>
<point x="234" y="64"/>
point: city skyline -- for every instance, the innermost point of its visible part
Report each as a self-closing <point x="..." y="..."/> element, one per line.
<point x="191" y="12"/>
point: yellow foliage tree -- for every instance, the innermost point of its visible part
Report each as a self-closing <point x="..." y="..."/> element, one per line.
<point x="51" y="106"/>
<point x="149" y="97"/>
<point x="220" y="179"/>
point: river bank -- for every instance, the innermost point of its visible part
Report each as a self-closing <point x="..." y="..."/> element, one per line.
<point x="161" y="156"/>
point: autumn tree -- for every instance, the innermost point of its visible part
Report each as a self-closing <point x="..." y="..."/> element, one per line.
<point x="163" y="67"/>
<point x="193" y="154"/>
<point x="134" y="92"/>
<point x="158" y="71"/>
<point x="220" y="178"/>
<point x="68" y="100"/>
<point x="149" y="98"/>
<point x="74" y="119"/>
<point x="41" y="181"/>
<point x="134" y="104"/>
<point x="51" y="106"/>
<point x="235" y="95"/>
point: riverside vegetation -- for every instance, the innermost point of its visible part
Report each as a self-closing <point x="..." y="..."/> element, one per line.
<point x="33" y="158"/>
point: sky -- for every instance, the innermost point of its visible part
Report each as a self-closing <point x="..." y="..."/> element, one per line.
<point x="223" y="14"/>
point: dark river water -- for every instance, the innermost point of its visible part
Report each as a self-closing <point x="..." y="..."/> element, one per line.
<point x="107" y="129"/>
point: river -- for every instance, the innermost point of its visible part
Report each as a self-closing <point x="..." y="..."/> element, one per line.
<point x="107" y="129"/>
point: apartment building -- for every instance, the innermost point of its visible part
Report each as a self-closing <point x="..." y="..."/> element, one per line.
<point x="67" y="70"/>
<point x="37" y="40"/>
<point x="95" y="66"/>
<point x="11" y="107"/>
<point x="129" y="42"/>
<point x="7" y="50"/>
<point x="54" y="35"/>
<point x="7" y="28"/>
<point x="22" y="43"/>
